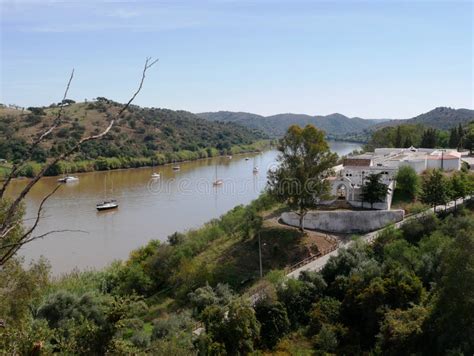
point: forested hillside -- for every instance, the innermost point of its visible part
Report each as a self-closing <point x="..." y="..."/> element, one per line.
<point x="441" y="118"/>
<point x="150" y="133"/>
<point x="335" y="125"/>
<point x="341" y="127"/>
<point x="418" y="135"/>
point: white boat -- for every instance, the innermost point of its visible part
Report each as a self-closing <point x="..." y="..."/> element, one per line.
<point x="107" y="205"/>
<point x="218" y="182"/>
<point x="176" y="168"/>
<point x="155" y="175"/>
<point x="68" y="179"/>
<point x="229" y="156"/>
<point x="246" y="158"/>
<point x="255" y="169"/>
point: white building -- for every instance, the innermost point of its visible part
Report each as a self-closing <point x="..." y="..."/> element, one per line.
<point x="347" y="183"/>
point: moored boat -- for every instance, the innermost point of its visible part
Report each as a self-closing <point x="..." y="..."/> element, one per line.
<point x="218" y="182"/>
<point x="68" y="179"/>
<point x="107" y="205"/>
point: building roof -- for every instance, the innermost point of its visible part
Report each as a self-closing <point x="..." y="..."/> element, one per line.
<point x="359" y="162"/>
<point x="442" y="157"/>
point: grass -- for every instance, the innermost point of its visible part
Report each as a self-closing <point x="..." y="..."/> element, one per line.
<point x="402" y="201"/>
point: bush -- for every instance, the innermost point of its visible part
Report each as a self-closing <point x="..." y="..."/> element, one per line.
<point x="62" y="306"/>
<point x="162" y="328"/>
<point x="274" y="322"/>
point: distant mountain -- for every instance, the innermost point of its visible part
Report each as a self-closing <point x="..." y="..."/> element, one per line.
<point x="335" y="125"/>
<point x="441" y="118"/>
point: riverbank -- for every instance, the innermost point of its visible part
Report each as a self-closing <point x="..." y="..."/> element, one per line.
<point x="113" y="163"/>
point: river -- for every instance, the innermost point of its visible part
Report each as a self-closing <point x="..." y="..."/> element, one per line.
<point x="148" y="209"/>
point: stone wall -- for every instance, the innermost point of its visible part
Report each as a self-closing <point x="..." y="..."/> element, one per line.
<point x="345" y="221"/>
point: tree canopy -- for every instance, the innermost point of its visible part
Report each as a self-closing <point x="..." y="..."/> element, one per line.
<point x="305" y="162"/>
<point x="373" y="190"/>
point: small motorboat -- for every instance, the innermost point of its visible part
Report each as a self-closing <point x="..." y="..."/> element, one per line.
<point x="246" y="158"/>
<point x="155" y="175"/>
<point x="68" y="179"/>
<point x="255" y="169"/>
<point x="107" y="205"/>
<point x="229" y="156"/>
<point x="176" y="168"/>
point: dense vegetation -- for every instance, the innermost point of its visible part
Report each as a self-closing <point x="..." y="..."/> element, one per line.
<point x="340" y="127"/>
<point x="142" y="137"/>
<point x="441" y="118"/>
<point x="336" y="126"/>
<point x="406" y="135"/>
<point x="411" y="291"/>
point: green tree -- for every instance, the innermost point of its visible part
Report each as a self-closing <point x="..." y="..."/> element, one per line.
<point x="325" y="311"/>
<point x="451" y="324"/>
<point x="398" y="138"/>
<point x="429" y="138"/>
<point x="407" y="182"/>
<point x="373" y="190"/>
<point x="235" y="327"/>
<point x="305" y="161"/>
<point x="435" y="189"/>
<point x="274" y="322"/>
<point x="458" y="187"/>
<point x="454" y="139"/>
<point x="408" y="142"/>
<point x="401" y="331"/>
<point x="298" y="295"/>
<point x="461" y="134"/>
<point x="468" y="141"/>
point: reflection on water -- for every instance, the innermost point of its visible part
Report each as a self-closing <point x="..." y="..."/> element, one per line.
<point x="148" y="208"/>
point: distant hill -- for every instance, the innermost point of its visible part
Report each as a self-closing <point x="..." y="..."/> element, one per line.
<point x="441" y="118"/>
<point x="142" y="132"/>
<point x="335" y="125"/>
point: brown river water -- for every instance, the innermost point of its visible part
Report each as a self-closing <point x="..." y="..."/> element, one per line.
<point x="148" y="209"/>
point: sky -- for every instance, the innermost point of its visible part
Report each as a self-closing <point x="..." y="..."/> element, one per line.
<point x="372" y="59"/>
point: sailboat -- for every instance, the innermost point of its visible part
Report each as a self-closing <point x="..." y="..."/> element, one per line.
<point x="107" y="204"/>
<point x="255" y="167"/>
<point x="154" y="175"/>
<point x="217" y="182"/>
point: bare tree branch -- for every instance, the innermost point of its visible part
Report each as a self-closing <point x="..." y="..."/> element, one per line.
<point x="13" y="208"/>
<point x="57" y="121"/>
<point x="14" y="247"/>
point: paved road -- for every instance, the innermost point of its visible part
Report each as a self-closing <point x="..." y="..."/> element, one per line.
<point x="319" y="263"/>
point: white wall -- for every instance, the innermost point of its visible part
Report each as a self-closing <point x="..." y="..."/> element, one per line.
<point x="345" y="221"/>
